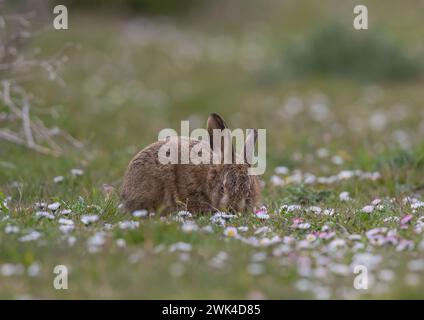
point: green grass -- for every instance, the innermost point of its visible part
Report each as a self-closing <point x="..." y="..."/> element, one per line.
<point x="121" y="91"/>
<point x="337" y="50"/>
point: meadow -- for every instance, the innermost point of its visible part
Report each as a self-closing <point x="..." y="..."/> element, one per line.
<point x="344" y="182"/>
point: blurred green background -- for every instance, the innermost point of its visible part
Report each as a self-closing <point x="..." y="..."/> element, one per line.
<point x="138" y="66"/>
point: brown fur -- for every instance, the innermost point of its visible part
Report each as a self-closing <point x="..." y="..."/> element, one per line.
<point x="150" y="185"/>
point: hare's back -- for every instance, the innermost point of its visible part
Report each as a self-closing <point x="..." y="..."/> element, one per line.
<point x="153" y="162"/>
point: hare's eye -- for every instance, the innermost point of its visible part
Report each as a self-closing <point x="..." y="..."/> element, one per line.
<point x="221" y="189"/>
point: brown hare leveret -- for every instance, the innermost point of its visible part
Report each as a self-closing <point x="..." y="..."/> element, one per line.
<point x="149" y="184"/>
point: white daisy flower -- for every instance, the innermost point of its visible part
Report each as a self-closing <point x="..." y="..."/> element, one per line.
<point x="376" y="202"/>
<point x="417" y="204"/>
<point x="71" y="240"/>
<point x="58" y="179"/>
<point x="44" y="214"/>
<point x="336" y="244"/>
<point x="322" y="153"/>
<point x="67" y="222"/>
<point x="31" y="236"/>
<point x="121" y="243"/>
<point x="305" y="225"/>
<point x="77" y="172"/>
<point x="263" y="230"/>
<point x="34" y="269"/>
<point x="281" y="170"/>
<point x="230" y="232"/>
<point x="129" y="224"/>
<point x="89" y="218"/>
<point x="180" y="246"/>
<point x="315" y="209"/>
<point x="11" y="229"/>
<point x="140" y="213"/>
<point x="344" y="196"/>
<point x="189" y="226"/>
<point x="96" y="241"/>
<point x="54" y="206"/>
<point x="184" y="214"/>
<point x="258" y="256"/>
<point x="10" y="269"/>
<point x="328" y="212"/>
<point x="368" y="209"/>
<point x="65" y="228"/>
<point x="337" y="160"/>
<point x="207" y="229"/>
<point x="277" y="181"/>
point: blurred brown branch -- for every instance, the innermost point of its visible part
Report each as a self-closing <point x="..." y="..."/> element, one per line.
<point x="18" y="124"/>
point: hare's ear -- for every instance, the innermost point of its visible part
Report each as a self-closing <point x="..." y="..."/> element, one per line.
<point x="215" y="122"/>
<point x="249" y="146"/>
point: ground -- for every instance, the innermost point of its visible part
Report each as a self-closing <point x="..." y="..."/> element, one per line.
<point x="343" y="185"/>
